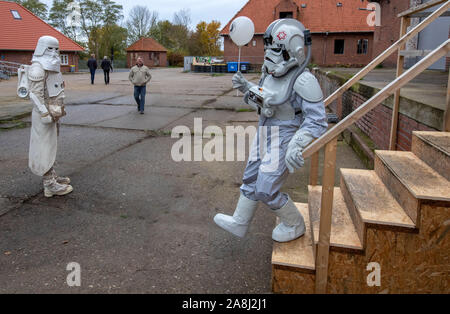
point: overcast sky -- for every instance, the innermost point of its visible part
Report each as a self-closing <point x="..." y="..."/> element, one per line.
<point x="201" y="10"/>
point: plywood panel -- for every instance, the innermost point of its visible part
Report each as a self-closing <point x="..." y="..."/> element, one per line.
<point x="343" y="232"/>
<point x="373" y="201"/>
<point x="297" y="253"/>
<point x="434" y="149"/>
<point x="420" y="179"/>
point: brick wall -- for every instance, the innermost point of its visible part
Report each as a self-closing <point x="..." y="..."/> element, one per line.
<point x="389" y="31"/>
<point x="286" y="6"/>
<point x="322" y="54"/>
<point x="323" y="49"/>
<point x="24" y="57"/>
<point x="376" y="124"/>
<point x="447" y="60"/>
<point x="159" y="58"/>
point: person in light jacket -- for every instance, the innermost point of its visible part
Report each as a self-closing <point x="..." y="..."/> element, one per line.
<point x="139" y="76"/>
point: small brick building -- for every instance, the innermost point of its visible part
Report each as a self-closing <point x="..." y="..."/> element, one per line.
<point x="19" y="33"/>
<point x="340" y="32"/>
<point x="152" y="52"/>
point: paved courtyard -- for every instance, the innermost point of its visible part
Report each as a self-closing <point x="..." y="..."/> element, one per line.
<point x="137" y="221"/>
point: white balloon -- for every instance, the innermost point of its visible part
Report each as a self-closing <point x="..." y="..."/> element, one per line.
<point x="242" y="30"/>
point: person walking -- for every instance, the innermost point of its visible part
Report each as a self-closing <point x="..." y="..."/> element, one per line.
<point x="139" y="76"/>
<point x="106" y="66"/>
<point x="92" y="65"/>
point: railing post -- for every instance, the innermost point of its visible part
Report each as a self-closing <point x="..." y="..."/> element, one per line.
<point x="326" y="210"/>
<point x="314" y="172"/>
<point x="405" y="22"/>
<point x="446" y="127"/>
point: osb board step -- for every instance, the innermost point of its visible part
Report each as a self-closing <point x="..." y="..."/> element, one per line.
<point x="434" y="149"/>
<point x="374" y="203"/>
<point x="439" y="140"/>
<point x="420" y="179"/>
<point x="343" y="231"/>
<point x="298" y="253"/>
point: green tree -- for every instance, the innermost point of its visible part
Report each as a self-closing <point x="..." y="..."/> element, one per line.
<point x="58" y="14"/>
<point x="206" y="39"/>
<point x="113" y="38"/>
<point x="95" y="14"/>
<point x="162" y="33"/>
<point x="38" y="8"/>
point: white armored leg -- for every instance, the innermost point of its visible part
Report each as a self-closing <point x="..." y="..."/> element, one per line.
<point x="238" y="223"/>
<point x="292" y="225"/>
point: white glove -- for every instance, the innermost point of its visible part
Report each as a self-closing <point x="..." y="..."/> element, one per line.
<point x="294" y="155"/>
<point x="240" y="83"/>
<point x="47" y="119"/>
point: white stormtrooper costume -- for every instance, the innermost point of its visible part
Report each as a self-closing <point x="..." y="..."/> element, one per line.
<point x="290" y="99"/>
<point x="46" y="90"/>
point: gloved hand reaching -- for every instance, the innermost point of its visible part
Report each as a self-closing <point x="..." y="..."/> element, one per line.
<point x="240" y="83"/>
<point x="294" y="155"/>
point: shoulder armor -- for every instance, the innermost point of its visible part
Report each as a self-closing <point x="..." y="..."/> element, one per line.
<point x="308" y="87"/>
<point x="36" y="72"/>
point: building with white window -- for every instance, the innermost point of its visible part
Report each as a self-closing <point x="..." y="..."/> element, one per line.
<point x="19" y="32"/>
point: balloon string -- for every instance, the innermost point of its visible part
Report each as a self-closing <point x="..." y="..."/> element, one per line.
<point x="239" y="67"/>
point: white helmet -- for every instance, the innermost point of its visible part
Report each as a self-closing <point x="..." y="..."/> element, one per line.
<point x="47" y="53"/>
<point x="284" y="42"/>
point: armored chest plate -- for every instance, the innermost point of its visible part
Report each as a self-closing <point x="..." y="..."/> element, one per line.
<point x="55" y="84"/>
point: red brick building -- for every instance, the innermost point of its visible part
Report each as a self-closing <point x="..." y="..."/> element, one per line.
<point x="19" y="33"/>
<point x="389" y="31"/>
<point x="153" y="53"/>
<point x="340" y="32"/>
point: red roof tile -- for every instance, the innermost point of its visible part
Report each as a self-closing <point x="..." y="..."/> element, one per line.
<point x="147" y="44"/>
<point x="319" y="15"/>
<point x="23" y="34"/>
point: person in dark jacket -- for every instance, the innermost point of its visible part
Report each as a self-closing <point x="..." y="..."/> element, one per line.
<point x="92" y="65"/>
<point x="106" y="66"/>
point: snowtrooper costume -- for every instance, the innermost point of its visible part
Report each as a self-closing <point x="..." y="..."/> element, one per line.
<point x="46" y="90"/>
<point x="292" y="114"/>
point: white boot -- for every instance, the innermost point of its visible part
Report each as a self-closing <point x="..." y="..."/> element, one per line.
<point x="52" y="187"/>
<point x="292" y="225"/>
<point x="238" y="223"/>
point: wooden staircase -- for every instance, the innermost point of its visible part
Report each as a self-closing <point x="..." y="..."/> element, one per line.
<point x="397" y="216"/>
<point x="393" y="221"/>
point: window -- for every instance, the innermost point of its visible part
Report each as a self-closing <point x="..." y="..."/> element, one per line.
<point x="363" y="45"/>
<point x="64" y="59"/>
<point x="339" y="46"/>
<point x="286" y="15"/>
<point x="16" y="15"/>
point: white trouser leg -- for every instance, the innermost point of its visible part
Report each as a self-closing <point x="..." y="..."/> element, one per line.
<point x="238" y="223"/>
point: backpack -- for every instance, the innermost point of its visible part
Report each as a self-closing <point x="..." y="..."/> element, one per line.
<point x="23" y="84"/>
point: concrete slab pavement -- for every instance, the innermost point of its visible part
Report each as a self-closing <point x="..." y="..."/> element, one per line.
<point x="137" y="221"/>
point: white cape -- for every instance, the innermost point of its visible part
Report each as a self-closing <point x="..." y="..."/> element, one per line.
<point x="43" y="145"/>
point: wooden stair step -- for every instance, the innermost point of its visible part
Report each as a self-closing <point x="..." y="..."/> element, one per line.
<point x="366" y="194"/>
<point x="343" y="232"/>
<point x="421" y="180"/>
<point x="299" y="253"/>
<point x="434" y="149"/>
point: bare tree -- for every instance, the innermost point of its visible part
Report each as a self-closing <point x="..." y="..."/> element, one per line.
<point x="139" y="23"/>
<point x="182" y="18"/>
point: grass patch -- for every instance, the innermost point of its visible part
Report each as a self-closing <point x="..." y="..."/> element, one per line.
<point x="245" y="110"/>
